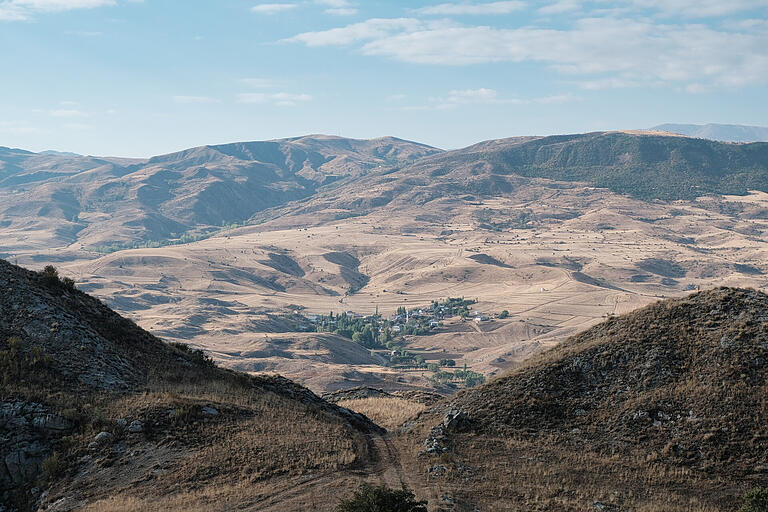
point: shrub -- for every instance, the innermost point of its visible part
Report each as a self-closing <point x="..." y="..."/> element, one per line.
<point x="756" y="500"/>
<point x="53" y="466"/>
<point x="381" y="498"/>
<point x="50" y="275"/>
<point x="504" y="314"/>
<point x="17" y="364"/>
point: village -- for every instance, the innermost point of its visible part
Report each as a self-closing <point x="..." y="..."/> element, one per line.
<point x="387" y="336"/>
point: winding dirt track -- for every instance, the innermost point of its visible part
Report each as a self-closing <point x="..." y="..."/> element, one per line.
<point x="322" y="492"/>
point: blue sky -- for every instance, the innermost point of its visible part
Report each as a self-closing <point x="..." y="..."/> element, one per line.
<point x="138" y="78"/>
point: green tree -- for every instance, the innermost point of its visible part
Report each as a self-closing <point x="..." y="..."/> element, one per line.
<point x="504" y="314"/>
<point x="381" y="499"/>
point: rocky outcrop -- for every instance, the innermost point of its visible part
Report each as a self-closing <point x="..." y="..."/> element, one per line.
<point x="27" y="433"/>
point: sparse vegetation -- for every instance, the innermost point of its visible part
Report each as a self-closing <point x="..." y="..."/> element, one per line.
<point x="380" y="499"/>
<point x="756" y="500"/>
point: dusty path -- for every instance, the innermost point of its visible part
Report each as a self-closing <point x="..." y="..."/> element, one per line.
<point x="322" y="491"/>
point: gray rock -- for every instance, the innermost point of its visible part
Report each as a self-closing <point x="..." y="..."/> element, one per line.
<point x="103" y="438"/>
<point x="437" y="470"/>
<point x="136" y="426"/>
<point x="209" y="411"/>
<point x="455" y="421"/>
<point x="51" y="422"/>
<point x="122" y="422"/>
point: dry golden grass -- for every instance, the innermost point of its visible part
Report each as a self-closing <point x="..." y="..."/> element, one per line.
<point x="203" y="500"/>
<point x="190" y="461"/>
<point x="386" y="412"/>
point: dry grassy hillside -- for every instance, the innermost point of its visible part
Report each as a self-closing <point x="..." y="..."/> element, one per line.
<point x="100" y="414"/>
<point x="584" y="253"/>
<point x="660" y="409"/>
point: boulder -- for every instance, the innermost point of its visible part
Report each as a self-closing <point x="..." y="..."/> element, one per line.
<point x="136" y="426"/>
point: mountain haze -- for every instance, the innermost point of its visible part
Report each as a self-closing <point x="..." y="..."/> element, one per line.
<point x="722" y="132"/>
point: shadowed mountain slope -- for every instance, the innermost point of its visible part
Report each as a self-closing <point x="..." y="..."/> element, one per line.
<point x="85" y="391"/>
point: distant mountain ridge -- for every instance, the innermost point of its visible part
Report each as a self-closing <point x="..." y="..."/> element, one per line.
<point x="56" y="201"/>
<point x="720" y="132"/>
<point x="101" y="201"/>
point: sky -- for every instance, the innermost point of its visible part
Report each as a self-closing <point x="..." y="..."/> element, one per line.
<point x="146" y="77"/>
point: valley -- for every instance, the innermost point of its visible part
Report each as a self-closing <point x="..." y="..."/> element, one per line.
<point x="559" y="256"/>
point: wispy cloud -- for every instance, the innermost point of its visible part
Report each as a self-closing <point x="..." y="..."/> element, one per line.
<point x="83" y="33"/>
<point x="19" y="128"/>
<point x="77" y="126"/>
<point x="63" y="112"/>
<point x="273" y="8"/>
<point x="19" y="10"/>
<point x="338" y="7"/>
<point x="560" y="7"/>
<point x="601" y="50"/>
<point x="484" y="96"/>
<point x="698" y="8"/>
<point x="260" y="83"/>
<point x="369" y="30"/>
<point x="473" y="8"/>
<point x="194" y="99"/>
<point x="283" y="99"/>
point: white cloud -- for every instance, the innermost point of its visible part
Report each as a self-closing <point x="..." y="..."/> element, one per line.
<point x="372" y="29"/>
<point x="469" y="8"/>
<point x="473" y="96"/>
<point x="67" y="113"/>
<point x="77" y="126"/>
<point x="605" y="51"/>
<point x="194" y="99"/>
<point x="698" y="8"/>
<point x="334" y="3"/>
<point x="17" y="10"/>
<point x="283" y="99"/>
<point x="560" y="7"/>
<point x="83" y="33"/>
<point x="484" y="96"/>
<point x="272" y="8"/>
<point x="343" y="11"/>
<point x="18" y="128"/>
<point x="338" y="7"/>
<point x="260" y="83"/>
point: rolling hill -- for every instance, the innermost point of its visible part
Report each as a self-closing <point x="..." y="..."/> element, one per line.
<point x="667" y="400"/>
